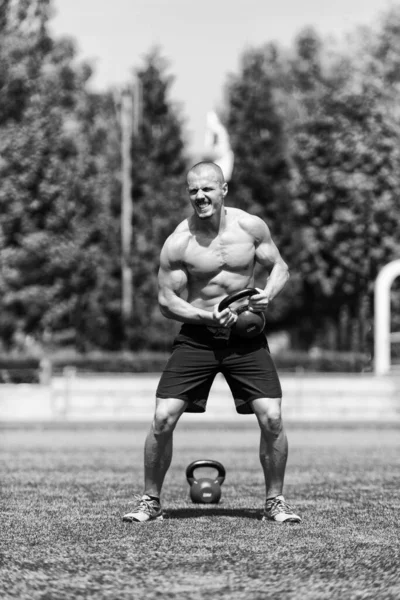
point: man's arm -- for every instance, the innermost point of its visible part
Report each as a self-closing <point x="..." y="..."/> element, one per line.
<point x="172" y="284"/>
<point x="267" y="255"/>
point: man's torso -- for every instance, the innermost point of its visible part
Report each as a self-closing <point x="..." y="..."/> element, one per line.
<point x="218" y="264"/>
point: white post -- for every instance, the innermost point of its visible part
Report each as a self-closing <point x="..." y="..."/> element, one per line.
<point x="383" y="284"/>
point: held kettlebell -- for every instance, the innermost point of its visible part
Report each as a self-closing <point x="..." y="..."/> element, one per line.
<point x="205" y="490"/>
<point x="249" y="323"/>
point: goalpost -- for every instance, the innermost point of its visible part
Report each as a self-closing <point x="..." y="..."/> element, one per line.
<point x="383" y="337"/>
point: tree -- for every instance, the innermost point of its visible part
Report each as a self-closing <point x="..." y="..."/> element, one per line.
<point x="315" y="131"/>
<point x="158" y="195"/>
<point x="55" y="208"/>
<point x="346" y="150"/>
<point x="256" y="130"/>
<point x="261" y="181"/>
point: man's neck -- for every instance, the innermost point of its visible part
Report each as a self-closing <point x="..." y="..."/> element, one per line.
<point x="214" y="225"/>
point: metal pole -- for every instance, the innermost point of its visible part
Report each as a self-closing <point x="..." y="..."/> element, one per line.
<point x="126" y="116"/>
<point x="137" y="106"/>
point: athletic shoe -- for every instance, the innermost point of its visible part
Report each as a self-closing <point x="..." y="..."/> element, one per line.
<point x="146" y="510"/>
<point x="279" y="511"/>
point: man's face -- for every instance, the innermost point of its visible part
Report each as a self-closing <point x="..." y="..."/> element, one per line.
<point x="207" y="192"/>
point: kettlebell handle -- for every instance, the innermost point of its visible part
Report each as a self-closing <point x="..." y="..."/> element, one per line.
<point x="225" y="302"/>
<point x="205" y="463"/>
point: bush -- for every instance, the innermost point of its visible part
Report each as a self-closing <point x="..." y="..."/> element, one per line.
<point x="323" y="361"/>
<point x="112" y="362"/>
<point x="25" y="369"/>
<point x="19" y="369"/>
<point x="154" y="362"/>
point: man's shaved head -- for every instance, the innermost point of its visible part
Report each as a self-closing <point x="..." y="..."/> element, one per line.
<point x="207" y="166"/>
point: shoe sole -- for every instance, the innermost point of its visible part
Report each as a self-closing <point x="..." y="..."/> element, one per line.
<point x="159" y="518"/>
<point x="291" y="521"/>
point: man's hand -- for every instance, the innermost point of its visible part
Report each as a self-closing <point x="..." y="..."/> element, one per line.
<point x="225" y="318"/>
<point x="259" y="302"/>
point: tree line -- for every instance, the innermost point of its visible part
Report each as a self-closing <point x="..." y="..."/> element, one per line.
<point x="315" y="130"/>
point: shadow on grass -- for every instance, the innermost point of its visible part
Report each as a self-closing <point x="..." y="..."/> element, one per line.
<point x="195" y="512"/>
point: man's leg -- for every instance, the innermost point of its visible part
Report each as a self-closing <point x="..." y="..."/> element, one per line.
<point x="157" y="459"/>
<point x="158" y="445"/>
<point x="273" y="444"/>
<point x="273" y="458"/>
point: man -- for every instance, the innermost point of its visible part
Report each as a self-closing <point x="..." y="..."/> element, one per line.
<point x="210" y="255"/>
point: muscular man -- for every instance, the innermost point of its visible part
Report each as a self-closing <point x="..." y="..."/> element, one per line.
<point x="210" y="255"/>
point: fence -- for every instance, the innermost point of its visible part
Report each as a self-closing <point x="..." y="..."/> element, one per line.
<point x="306" y="397"/>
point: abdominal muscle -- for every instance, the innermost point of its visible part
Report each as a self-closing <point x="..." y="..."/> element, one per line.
<point x="206" y="294"/>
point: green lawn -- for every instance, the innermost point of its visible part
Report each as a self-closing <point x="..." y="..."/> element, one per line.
<point x="63" y="491"/>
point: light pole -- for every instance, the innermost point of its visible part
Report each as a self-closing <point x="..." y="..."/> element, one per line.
<point x="126" y="121"/>
<point x="130" y="119"/>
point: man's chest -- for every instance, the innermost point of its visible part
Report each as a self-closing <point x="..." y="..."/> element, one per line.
<point x="230" y="253"/>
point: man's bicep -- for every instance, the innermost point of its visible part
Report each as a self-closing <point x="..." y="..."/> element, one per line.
<point x="172" y="277"/>
<point x="267" y="253"/>
<point x="172" y="280"/>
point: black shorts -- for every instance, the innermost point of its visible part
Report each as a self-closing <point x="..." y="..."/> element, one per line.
<point x="199" y="353"/>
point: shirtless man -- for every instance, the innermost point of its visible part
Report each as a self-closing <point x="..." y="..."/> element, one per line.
<point x="210" y="255"/>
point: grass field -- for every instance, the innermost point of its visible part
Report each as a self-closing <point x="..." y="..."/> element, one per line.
<point x="64" y="490"/>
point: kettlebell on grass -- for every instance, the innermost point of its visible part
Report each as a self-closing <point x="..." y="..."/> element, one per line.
<point x="205" y="490"/>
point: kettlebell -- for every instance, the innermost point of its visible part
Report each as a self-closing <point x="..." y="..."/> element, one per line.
<point x="205" y="490"/>
<point x="249" y="323"/>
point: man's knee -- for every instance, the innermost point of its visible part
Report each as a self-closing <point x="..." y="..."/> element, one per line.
<point x="269" y="415"/>
<point x="166" y="416"/>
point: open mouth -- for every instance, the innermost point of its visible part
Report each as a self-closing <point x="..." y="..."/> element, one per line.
<point x="202" y="204"/>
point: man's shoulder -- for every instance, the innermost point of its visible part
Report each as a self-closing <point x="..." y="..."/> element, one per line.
<point x="182" y="228"/>
<point x="251" y="224"/>
<point x="178" y="240"/>
<point x="242" y="216"/>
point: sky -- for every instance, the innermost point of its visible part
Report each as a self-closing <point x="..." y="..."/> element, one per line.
<point x="202" y="41"/>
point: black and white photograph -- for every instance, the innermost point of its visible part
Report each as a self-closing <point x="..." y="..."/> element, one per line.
<point x="199" y="300"/>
